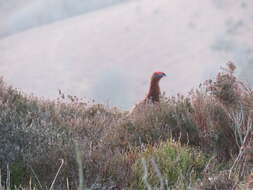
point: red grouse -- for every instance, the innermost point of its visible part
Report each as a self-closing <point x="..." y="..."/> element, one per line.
<point x="154" y="89"/>
<point x="153" y="94"/>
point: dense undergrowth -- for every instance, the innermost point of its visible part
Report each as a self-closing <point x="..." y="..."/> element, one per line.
<point x="202" y="140"/>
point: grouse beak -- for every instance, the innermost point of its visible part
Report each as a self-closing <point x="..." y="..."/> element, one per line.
<point x="163" y="75"/>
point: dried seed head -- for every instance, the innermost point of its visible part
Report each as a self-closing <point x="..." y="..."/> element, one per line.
<point x="231" y="66"/>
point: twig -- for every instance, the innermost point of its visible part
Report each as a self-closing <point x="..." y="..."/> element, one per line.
<point x="8" y="180"/>
<point x="208" y="164"/>
<point x="67" y="183"/>
<point x="242" y="149"/>
<point x="36" y="177"/>
<point x="1" y="188"/>
<point x="62" y="162"/>
<point x="158" y="173"/>
<point x="145" y="175"/>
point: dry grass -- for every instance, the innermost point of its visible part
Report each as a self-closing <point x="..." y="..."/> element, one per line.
<point x="214" y="121"/>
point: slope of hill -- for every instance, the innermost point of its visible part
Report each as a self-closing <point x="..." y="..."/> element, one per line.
<point x="25" y="14"/>
<point x="110" y="54"/>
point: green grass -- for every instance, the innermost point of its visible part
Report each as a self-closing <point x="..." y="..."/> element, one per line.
<point x="169" y="165"/>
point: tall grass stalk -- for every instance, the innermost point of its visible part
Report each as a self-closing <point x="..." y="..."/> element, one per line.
<point x="80" y="166"/>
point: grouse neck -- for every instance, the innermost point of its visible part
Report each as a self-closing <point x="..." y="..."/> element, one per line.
<point x="154" y="91"/>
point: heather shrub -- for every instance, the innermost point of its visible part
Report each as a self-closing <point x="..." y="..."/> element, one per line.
<point x="37" y="133"/>
<point x="185" y="128"/>
<point x="223" y="136"/>
<point x="226" y="88"/>
<point x="171" y="119"/>
<point x="171" y="138"/>
<point x="220" y="180"/>
<point x="222" y="114"/>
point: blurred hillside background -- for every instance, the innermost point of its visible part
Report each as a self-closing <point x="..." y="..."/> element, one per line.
<point x="20" y="15"/>
<point x="107" y="50"/>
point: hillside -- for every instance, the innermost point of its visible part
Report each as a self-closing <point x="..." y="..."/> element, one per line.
<point x="20" y="15"/>
<point x="93" y="54"/>
<point x="202" y="140"/>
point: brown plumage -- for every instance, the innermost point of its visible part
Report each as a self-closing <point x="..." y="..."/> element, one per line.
<point x="154" y="89"/>
<point x="153" y="96"/>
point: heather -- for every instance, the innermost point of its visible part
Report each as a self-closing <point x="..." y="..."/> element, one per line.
<point x="201" y="140"/>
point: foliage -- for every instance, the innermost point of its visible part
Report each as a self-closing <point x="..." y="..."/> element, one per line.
<point x="213" y="120"/>
<point x="169" y="165"/>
